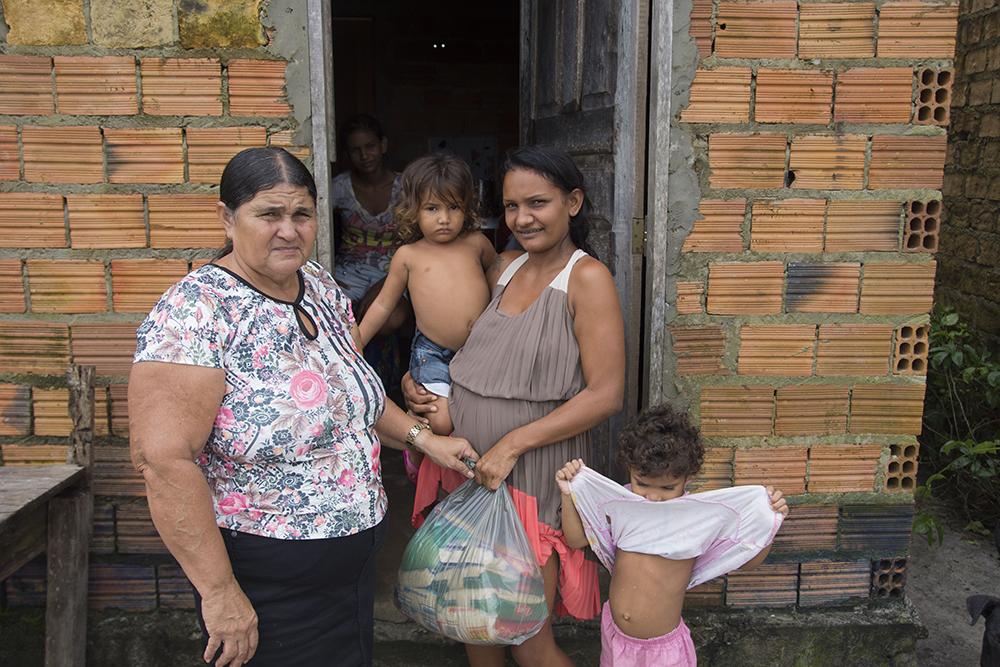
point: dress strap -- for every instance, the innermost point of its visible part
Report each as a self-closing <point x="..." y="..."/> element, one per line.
<point x="561" y="282"/>
<point x="511" y="269"/>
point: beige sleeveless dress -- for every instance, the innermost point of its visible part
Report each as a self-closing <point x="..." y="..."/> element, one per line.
<point x="513" y="370"/>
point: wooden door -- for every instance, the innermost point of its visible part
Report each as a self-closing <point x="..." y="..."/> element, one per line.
<point x="583" y="89"/>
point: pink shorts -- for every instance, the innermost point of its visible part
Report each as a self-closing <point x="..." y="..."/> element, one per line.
<point x="674" y="649"/>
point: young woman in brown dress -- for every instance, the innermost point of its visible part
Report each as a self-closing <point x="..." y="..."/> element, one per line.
<point x="543" y="365"/>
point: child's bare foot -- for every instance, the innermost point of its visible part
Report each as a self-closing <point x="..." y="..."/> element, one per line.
<point x="566" y="475"/>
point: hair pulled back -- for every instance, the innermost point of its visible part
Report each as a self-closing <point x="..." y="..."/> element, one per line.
<point x="361" y="122"/>
<point x="255" y="169"/>
<point x="558" y="168"/>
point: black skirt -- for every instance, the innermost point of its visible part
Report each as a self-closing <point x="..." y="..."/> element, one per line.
<point x="314" y="599"/>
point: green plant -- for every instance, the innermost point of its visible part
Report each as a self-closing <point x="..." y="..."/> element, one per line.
<point x="960" y="444"/>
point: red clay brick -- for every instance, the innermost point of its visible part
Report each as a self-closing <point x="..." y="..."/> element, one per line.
<point x="63" y="154"/>
<point x="720" y="95"/>
<point x="15" y="409"/>
<point x="34" y="455"/>
<point x="901" y="468"/>
<point x="756" y="29"/>
<point x="811" y="409"/>
<point x="11" y="286"/>
<point x="777" y="349"/>
<point x="109" y="347"/>
<point x="897" y="289"/>
<point x="874" y="95"/>
<point x="853" y="226"/>
<point x="843" y="468"/>
<point x="736" y="411"/>
<point x="67" y="286"/>
<point x="257" y="88"/>
<point x="26" y="86"/>
<point x="210" y="149"/>
<point x="182" y="86"/>
<point x="923" y="224"/>
<point x="184" y="221"/>
<point x="907" y="162"/>
<point x="763" y="586"/>
<point x="720" y="227"/>
<point x="31" y="220"/>
<point x="284" y="139"/>
<point x="51" y="412"/>
<point x="103" y="86"/>
<point x="887" y="408"/>
<point x="699" y="350"/>
<point x="793" y="96"/>
<point x="745" y="288"/>
<point x="689" y="298"/>
<point x="854" y="349"/>
<point x="747" y="160"/>
<point x="701" y="26"/>
<point x="145" y="156"/>
<point x="933" y="96"/>
<point x="829" y="582"/>
<point x="114" y="474"/>
<point x="912" y="346"/>
<point x="782" y="467"/>
<point x="837" y="30"/>
<point x="137" y="284"/>
<point x="808" y="528"/>
<point x="37" y="348"/>
<point x="119" y="409"/>
<point x="716" y="469"/>
<point x="823" y="288"/>
<point x="908" y="29"/>
<point x="788" y="225"/>
<point x="10" y="154"/>
<point x="106" y="221"/>
<point x="828" y="162"/>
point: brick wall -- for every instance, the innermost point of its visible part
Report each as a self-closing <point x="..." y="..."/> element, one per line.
<point x="970" y="245"/>
<point x="116" y="120"/>
<point x="817" y="135"/>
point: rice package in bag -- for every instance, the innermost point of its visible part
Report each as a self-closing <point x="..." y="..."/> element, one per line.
<point x="469" y="573"/>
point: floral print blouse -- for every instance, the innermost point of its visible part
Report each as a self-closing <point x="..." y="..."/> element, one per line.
<point x="293" y="453"/>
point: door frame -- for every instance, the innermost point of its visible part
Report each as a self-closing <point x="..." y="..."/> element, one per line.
<point x="320" y="34"/>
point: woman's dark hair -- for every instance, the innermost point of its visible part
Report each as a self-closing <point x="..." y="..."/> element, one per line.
<point x="255" y="169"/>
<point x="661" y="441"/>
<point x="440" y="175"/>
<point x="360" y="122"/>
<point x="558" y="168"/>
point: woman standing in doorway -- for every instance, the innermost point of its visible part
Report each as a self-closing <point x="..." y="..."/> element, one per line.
<point x="363" y="198"/>
<point x="543" y="365"/>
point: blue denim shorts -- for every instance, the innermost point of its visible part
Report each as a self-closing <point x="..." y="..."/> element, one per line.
<point x="429" y="364"/>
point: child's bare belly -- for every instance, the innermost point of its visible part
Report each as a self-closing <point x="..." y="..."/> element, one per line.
<point x="647" y="593"/>
<point x="446" y="306"/>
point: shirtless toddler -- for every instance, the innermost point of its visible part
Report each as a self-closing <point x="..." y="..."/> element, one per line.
<point x="443" y="265"/>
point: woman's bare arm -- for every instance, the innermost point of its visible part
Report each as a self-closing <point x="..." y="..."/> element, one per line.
<point x="172" y="408"/>
<point x="600" y="333"/>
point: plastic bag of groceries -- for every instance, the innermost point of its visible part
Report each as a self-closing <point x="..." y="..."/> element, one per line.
<point x="469" y="573"/>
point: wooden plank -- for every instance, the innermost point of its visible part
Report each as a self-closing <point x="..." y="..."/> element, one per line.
<point x="21" y="539"/>
<point x="81" y="411"/>
<point x="24" y="488"/>
<point x="70" y="521"/>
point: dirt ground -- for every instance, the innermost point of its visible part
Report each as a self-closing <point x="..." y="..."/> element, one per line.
<point x="939" y="578"/>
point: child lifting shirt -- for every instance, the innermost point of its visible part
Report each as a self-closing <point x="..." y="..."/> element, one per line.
<point x="443" y="267"/>
<point x="657" y="541"/>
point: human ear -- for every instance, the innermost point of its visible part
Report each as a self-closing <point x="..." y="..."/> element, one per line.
<point x="384" y="144"/>
<point x="574" y="200"/>
<point x="225" y="218"/>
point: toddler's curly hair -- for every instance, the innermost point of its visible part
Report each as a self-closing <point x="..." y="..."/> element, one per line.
<point x="661" y="441"/>
<point x="440" y="175"/>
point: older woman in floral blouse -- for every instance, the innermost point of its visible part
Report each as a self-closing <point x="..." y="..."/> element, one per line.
<point x="257" y="425"/>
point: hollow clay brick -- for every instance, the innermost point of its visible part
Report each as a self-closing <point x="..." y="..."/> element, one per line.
<point x="854" y="349"/>
<point x="109" y="347"/>
<point x="912" y="346"/>
<point x="26" y="86"/>
<point x="184" y="221"/>
<point x="31" y="220"/>
<point x="137" y="284"/>
<point x="901" y="468"/>
<point x="701" y="26"/>
<point x="699" y="350"/>
<point x="745" y="288"/>
<point x="808" y="528"/>
<point x="933" y="96"/>
<point x="922" y="226"/>
<point x="708" y="594"/>
<point x="10" y="154"/>
<point x="915" y="29"/>
<point x="284" y="139"/>
<point x="811" y="409"/>
<point x="823" y="288"/>
<point x="689" y="298"/>
<point x="122" y="586"/>
<point x="145" y="155"/>
<point x="11" y="286"/>
<point x="211" y="148"/>
<point x="853" y="226"/>
<point x="793" y="96"/>
<point x="114" y="474"/>
<point x="878" y="530"/>
<point x="98" y="86"/>
<point x="181" y="86"/>
<point x="36" y="348"/>
<point x="173" y="590"/>
<point x="136" y="532"/>
<point x="874" y="95"/>
<point x="897" y="289"/>
<point x="33" y="455"/>
<point x="15" y="409"/>
<point x="51" y="412"/>
<point x="106" y="221"/>
<point x="887" y="408"/>
<point x="828" y="162"/>
<point x="833" y="583"/>
<point x="888" y="578"/>
<point x="837" y="30"/>
<point x="257" y="88"/>
<point x="755" y="29"/>
<point x="720" y="95"/>
<point x="119" y="409"/>
<point x="719" y="228"/>
<point x="63" y="154"/>
<point x="747" y="160"/>
<point x="777" y="349"/>
<point x="907" y="162"/>
<point x="736" y="411"/>
<point x="787" y="225"/>
<point x="67" y="286"/>
<point x="768" y="585"/>
<point x="843" y="468"/>
<point x="716" y="470"/>
<point x="782" y="467"/>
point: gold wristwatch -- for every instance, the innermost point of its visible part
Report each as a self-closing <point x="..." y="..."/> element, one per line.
<point x="411" y="435"/>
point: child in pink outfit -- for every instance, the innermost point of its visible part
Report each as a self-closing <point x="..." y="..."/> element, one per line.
<point x="658" y="541"/>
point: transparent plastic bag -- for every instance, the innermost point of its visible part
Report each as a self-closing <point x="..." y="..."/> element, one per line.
<point x="469" y="573"/>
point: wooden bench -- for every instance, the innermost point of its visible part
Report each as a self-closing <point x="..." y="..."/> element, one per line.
<point x="49" y="509"/>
